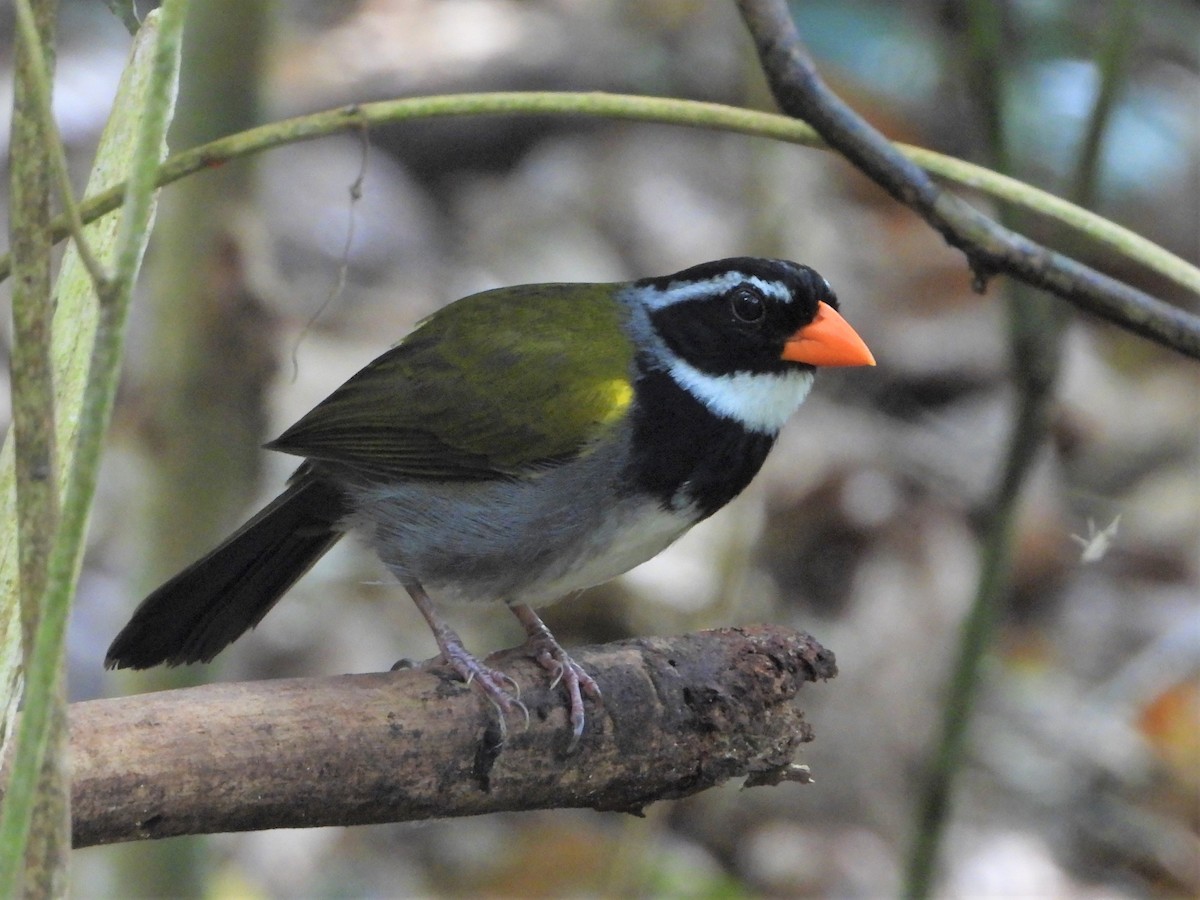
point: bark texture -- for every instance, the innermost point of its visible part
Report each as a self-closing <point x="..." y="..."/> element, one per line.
<point x="679" y="715"/>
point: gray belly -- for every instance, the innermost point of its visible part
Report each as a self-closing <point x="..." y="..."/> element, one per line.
<point x="530" y="541"/>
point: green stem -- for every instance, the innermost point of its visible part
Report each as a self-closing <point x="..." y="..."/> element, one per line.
<point x="668" y="111"/>
<point x="38" y="853"/>
<point x="983" y="72"/>
<point x="46" y="660"/>
<point x="1113" y="61"/>
<point x="39" y="80"/>
<point x="1037" y="327"/>
<point x="126" y="12"/>
<point x="1035" y="331"/>
<point x="32" y="370"/>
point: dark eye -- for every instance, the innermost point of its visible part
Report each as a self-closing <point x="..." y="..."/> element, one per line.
<point x="747" y="305"/>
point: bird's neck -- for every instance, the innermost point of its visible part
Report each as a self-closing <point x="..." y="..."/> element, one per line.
<point x="685" y="454"/>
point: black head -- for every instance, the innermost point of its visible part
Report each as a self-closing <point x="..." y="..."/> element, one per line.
<point x="737" y="314"/>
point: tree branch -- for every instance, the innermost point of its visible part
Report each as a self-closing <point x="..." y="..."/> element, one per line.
<point x="990" y="248"/>
<point x="679" y="715"/>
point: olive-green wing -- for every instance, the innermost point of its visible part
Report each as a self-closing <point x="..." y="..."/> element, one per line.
<point x="495" y="385"/>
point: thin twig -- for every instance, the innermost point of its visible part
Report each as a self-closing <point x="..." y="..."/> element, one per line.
<point x="1036" y="327"/>
<point x="126" y="12"/>
<point x="690" y="114"/>
<point x="990" y="248"/>
<point x="55" y="150"/>
<point x="1113" y="59"/>
<point x="338" y="290"/>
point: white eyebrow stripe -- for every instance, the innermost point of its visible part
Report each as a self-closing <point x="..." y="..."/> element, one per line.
<point x="682" y="291"/>
<point x="761" y="401"/>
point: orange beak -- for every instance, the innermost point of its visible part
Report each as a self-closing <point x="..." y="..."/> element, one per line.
<point x="828" y="340"/>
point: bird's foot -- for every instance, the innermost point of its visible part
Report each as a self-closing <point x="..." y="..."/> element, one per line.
<point x="554" y="659"/>
<point x="500" y="689"/>
<point x="574" y="678"/>
<point x="494" y="685"/>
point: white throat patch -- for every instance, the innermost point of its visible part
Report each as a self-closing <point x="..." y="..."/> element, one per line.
<point x="761" y="402"/>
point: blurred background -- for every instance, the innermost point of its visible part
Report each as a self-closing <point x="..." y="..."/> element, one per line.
<point x="265" y="286"/>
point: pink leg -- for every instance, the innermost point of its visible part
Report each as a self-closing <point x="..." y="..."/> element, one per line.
<point x="493" y="684"/>
<point x="554" y="659"/>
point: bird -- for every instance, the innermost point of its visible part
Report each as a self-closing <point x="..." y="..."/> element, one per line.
<point x="518" y="446"/>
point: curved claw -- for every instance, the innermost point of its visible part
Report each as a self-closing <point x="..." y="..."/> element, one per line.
<point x="491" y="683"/>
<point x="554" y="659"/>
<point x="576" y="681"/>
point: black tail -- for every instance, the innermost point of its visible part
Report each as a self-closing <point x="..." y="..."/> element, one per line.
<point x="212" y="602"/>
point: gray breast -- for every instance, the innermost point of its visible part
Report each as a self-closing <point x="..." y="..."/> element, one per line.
<point x="528" y="540"/>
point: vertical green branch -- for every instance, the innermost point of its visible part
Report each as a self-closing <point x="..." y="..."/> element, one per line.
<point x="1036" y="326"/>
<point x="32" y="373"/>
<point x="44" y="849"/>
<point x="1033" y="336"/>
<point x="1113" y="62"/>
<point x="40" y="89"/>
<point x="45" y="661"/>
